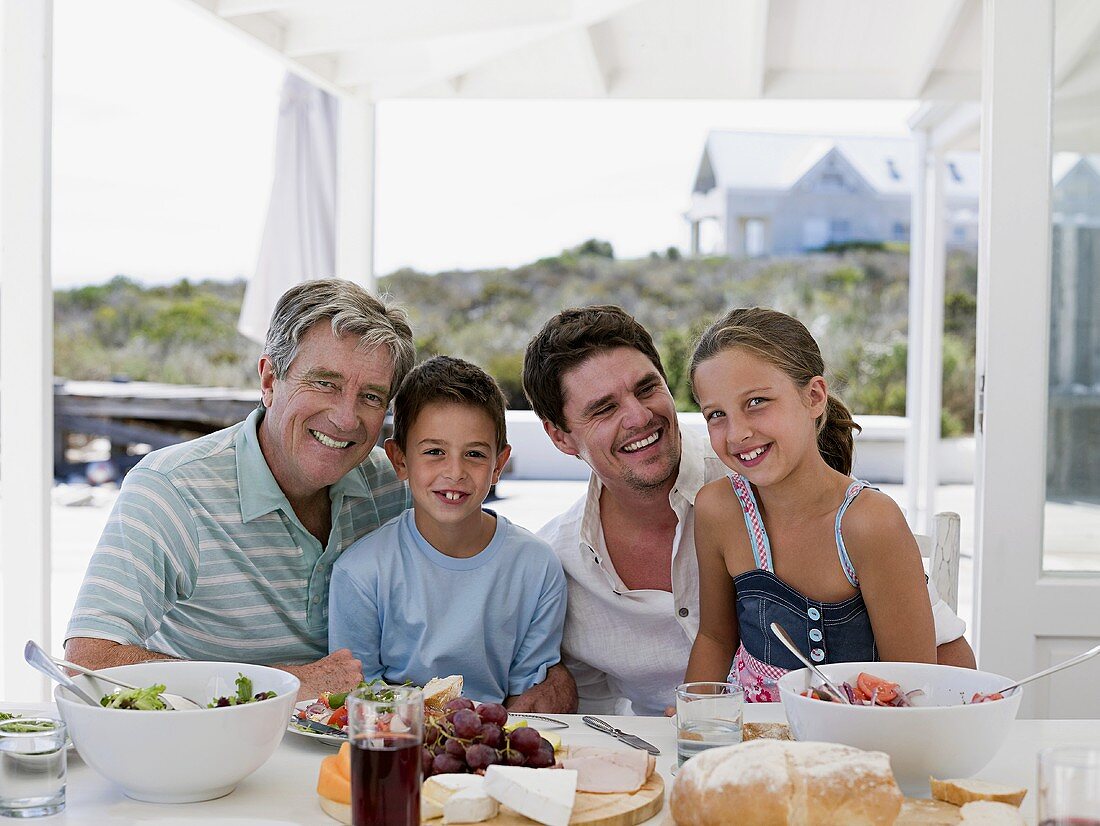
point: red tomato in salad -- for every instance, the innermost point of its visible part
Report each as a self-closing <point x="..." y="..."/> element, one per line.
<point x="987" y="698"/>
<point x="866" y="684"/>
<point x="339" y="718"/>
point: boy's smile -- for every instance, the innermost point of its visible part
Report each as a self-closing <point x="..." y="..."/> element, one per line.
<point x="450" y="461"/>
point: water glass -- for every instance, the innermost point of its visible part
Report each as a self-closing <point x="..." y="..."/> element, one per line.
<point x="386" y="731"/>
<point x="707" y="715"/>
<point x="1069" y="786"/>
<point x="32" y="766"/>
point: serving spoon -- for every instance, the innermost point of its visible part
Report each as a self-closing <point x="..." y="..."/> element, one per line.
<point x="39" y="660"/>
<point x="785" y="638"/>
<point x="1072" y="661"/>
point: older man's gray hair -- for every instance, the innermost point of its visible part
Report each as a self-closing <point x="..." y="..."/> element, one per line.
<point x="351" y="310"/>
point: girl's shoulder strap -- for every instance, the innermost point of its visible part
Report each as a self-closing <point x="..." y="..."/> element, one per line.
<point x="761" y="548"/>
<point x="853" y="491"/>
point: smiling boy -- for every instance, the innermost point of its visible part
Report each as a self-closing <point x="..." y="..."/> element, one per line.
<point x="448" y="587"/>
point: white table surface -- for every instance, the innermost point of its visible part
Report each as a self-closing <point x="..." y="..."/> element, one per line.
<point x="283" y="790"/>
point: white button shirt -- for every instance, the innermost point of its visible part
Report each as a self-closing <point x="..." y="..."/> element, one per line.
<point x="628" y="650"/>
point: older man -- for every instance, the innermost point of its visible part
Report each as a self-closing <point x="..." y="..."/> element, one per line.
<point x="221" y="548"/>
<point x="595" y="379"/>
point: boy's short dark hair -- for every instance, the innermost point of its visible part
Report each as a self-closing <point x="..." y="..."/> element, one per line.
<point x="568" y="339"/>
<point x="447" y="380"/>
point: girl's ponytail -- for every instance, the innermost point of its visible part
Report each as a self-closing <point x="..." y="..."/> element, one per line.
<point x="835" y="430"/>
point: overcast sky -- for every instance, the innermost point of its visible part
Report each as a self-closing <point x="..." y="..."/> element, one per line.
<point x="164" y="143"/>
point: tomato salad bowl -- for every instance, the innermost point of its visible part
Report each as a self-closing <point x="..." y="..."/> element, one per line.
<point x="939" y="731"/>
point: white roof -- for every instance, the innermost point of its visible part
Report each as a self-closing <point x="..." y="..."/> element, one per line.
<point x="773" y="161"/>
<point x="712" y="49"/>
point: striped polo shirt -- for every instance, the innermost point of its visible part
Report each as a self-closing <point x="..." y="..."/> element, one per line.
<point x="203" y="557"/>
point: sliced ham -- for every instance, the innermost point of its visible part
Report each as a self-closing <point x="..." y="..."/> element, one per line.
<point x="609" y="771"/>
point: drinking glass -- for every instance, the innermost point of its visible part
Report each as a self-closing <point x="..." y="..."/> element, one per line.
<point x="386" y="731"/>
<point x="707" y="715"/>
<point x="32" y="766"/>
<point x="1069" y="786"/>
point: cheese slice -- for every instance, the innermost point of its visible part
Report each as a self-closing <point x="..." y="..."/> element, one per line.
<point x="471" y="805"/>
<point x="609" y="771"/>
<point x="439" y="788"/>
<point x="544" y="795"/>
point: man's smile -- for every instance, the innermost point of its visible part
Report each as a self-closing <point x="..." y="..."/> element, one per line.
<point x="638" y="444"/>
<point x="328" y="441"/>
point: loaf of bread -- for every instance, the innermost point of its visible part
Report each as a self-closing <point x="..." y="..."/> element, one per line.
<point x="778" y="783"/>
<point x="961" y="792"/>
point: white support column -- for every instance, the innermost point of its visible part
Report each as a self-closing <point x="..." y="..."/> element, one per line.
<point x="26" y="346"/>
<point x="914" y="377"/>
<point x="1013" y="329"/>
<point x="931" y="356"/>
<point x="355" y="184"/>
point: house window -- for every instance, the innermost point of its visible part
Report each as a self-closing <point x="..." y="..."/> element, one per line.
<point x="815" y="233"/>
<point x="840" y="231"/>
<point x="901" y="231"/>
<point x="755" y="237"/>
<point x="832" y="180"/>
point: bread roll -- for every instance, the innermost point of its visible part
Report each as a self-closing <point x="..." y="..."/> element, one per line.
<point x="961" y="792"/>
<point x="778" y="783"/>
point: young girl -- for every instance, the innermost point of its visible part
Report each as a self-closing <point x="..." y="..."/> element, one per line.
<point x="790" y="536"/>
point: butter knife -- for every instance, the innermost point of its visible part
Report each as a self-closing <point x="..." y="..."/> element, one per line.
<point x="623" y="737"/>
<point x="319" y="728"/>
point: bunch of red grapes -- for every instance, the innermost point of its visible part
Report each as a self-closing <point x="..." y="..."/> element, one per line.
<point x="464" y="739"/>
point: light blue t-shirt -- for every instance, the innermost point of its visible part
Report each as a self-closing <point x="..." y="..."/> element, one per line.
<point x="409" y="612"/>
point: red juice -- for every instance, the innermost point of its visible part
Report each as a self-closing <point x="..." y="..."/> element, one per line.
<point x="385" y="781"/>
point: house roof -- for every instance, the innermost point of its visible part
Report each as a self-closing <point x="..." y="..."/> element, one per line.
<point x="775" y="161"/>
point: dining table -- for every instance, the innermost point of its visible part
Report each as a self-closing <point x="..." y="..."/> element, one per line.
<point x="283" y="790"/>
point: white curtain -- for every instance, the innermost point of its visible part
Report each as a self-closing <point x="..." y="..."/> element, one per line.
<point x="299" y="238"/>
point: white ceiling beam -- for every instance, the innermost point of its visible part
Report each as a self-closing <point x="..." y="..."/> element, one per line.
<point x="749" y="49"/>
<point x="417" y="20"/>
<point x="237" y="8"/>
<point x="596" y="68"/>
<point x="270" y="34"/>
<point x="460" y="61"/>
<point x="943" y="18"/>
<point x="1075" y="35"/>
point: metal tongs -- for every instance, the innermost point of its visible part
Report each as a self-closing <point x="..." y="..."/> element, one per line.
<point x="839" y="694"/>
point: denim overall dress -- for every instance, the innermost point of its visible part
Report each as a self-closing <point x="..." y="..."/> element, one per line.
<point x="826" y="632"/>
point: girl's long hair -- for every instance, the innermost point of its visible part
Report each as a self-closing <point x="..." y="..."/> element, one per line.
<point x="785" y="342"/>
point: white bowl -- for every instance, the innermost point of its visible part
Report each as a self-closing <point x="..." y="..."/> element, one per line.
<point x="943" y="735"/>
<point x="180" y="756"/>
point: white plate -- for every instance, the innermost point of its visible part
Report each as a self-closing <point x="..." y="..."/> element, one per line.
<point x="316" y="735"/>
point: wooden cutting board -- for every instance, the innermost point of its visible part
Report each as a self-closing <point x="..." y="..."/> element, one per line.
<point x="598" y="809"/>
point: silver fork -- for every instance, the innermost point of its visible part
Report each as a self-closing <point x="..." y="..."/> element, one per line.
<point x="174" y="701"/>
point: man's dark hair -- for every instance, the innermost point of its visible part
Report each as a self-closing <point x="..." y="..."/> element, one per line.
<point x="447" y="380"/>
<point x="567" y="340"/>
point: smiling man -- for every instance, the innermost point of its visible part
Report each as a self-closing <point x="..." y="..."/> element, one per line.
<point x="222" y="548"/>
<point x="595" y="379"/>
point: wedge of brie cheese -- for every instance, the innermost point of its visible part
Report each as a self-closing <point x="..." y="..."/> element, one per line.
<point x="544" y="795"/>
<point x="438" y="789"/>
<point x="471" y="805"/>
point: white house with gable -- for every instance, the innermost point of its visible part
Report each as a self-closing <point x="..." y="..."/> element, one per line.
<point x="774" y="194"/>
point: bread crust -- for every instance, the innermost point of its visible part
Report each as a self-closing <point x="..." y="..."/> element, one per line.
<point x="778" y="783"/>
<point x="961" y="792"/>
